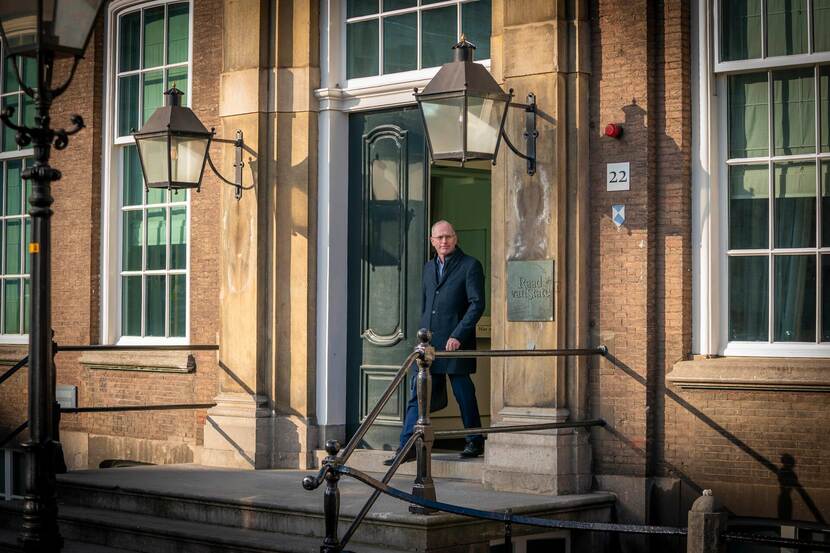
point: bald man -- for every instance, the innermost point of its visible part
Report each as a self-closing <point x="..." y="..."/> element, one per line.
<point x="451" y="305"/>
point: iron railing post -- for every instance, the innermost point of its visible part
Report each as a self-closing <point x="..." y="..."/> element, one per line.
<point x="424" y="487"/>
<point x="331" y="499"/>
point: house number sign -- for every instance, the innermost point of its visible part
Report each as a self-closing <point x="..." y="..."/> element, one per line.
<point x="618" y="176"/>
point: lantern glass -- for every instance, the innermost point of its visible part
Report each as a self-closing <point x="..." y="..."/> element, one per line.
<point x="63" y="26"/>
<point x="19" y="24"/>
<point x="444" y="118"/>
<point x="154" y="160"/>
<point x="484" y="117"/>
<point x="73" y="21"/>
<point x="187" y="158"/>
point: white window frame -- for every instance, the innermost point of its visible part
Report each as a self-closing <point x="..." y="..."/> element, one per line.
<point x="337" y="97"/>
<point x="111" y="190"/>
<point x="407" y="77"/>
<point x="710" y="190"/>
<point x="23" y="154"/>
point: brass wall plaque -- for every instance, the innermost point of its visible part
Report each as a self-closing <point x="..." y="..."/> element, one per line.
<point x="530" y="290"/>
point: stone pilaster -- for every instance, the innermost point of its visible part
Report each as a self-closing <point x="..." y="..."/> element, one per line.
<point x="537" y="49"/>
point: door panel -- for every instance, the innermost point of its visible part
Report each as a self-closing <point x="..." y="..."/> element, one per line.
<point x="387" y="241"/>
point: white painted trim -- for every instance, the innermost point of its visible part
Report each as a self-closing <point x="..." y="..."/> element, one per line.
<point x="777" y="62"/>
<point x="778" y="349"/>
<point x="110" y="199"/>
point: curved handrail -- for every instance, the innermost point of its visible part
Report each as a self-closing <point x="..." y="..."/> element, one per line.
<point x="343" y="454"/>
<point x="509" y="516"/>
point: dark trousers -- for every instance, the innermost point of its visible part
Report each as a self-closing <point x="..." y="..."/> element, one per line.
<point x="465" y="394"/>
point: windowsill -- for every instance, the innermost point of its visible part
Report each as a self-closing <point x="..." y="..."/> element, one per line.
<point x="753" y="373"/>
<point x="143" y="361"/>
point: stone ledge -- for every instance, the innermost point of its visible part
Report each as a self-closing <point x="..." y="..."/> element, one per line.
<point x="753" y="373"/>
<point x="10" y="354"/>
<point x="144" y="361"/>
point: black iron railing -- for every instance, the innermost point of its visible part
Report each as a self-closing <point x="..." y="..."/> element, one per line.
<point x="708" y="527"/>
<point x="422" y="500"/>
<point x="113" y="408"/>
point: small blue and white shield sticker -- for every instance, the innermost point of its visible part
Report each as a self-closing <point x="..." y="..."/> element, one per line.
<point x="618" y="214"/>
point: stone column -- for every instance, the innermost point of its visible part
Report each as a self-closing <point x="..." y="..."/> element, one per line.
<point x="238" y="429"/>
<point x="264" y="414"/>
<point x="537" y="48"/>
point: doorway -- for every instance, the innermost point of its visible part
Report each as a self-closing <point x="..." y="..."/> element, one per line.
<point x="393" y="198"/>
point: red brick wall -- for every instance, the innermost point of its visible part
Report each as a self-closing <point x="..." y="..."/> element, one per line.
<point x="77" y="260"/>
<point x="641" y="301"/>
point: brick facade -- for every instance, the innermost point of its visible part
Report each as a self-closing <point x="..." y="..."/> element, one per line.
<point x="761" y="451"/>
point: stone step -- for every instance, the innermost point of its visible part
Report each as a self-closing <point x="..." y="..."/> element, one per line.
<point x="444" y="464"/>
<point x="273" y="502"/>
<point x="8" y="543"/>
<point x="99" y="531"/>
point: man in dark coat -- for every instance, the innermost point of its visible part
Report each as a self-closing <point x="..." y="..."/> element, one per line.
<point x="451" y="305"/>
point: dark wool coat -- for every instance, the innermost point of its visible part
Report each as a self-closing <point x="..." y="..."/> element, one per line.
<point x="452" y="306"/>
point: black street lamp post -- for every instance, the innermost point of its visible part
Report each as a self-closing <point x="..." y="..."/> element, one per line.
<point x="44" y="30"/>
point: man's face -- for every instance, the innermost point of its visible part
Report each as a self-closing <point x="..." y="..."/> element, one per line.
<point x="443" y="239"/>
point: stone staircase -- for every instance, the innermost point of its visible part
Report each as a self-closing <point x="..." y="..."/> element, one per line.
<point x="189" y="508"/>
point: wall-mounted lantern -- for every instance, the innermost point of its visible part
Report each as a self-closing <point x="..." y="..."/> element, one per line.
<point x="61" y="27"/>
<point x="464" y="110"/>
<point x="173" y="147"/>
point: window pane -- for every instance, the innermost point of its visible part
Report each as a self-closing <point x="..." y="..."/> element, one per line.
<point x="127" y="104"/>
<point x="29" y="72"/>
<point x="11" y="306"/>
<point x="132" y="179"/>
<point x="14" y="187"/>
<point x="786" y="27"/>
<point x="129" y="36"/>
<point x="153" y="93"/>
<point x="155" y="305"/>
<point x="156" y="196"/>
<point x="29" y="110"/>
<point x="27" y="295"/>
<point x="356" y="8"/>
<point x="9" y="144"/>
<point x="748" y="207"/>
<point x="10" y="83"/>
<point x="131" y="241"/>
<point x="178" y="238"/>
<point x="156" y="239"/>
<point x="795" y="111"/>
<point x="389" y="5"/>
<point x="177" y="32"/>
<point x="362" y="49"/>
<point x="154" y="36"/>
<point x="824" y="105"/>
<point x="178" y="305"/>
<point x="748" y="115"/>
<point x="178" y="76"/>
<point x="131" y="306"/>
<point x="748" y="298"/>
<point x="825" y="203"/>
<point x="741" y="29"/>
<point x="14" y="228"/>
<point x="795" y="298"/>
<point x="825" y="298"/>
<point x="795" y="204"/>
<point x="821" y="22"/>
<point x="476" y="22"/>
<point x="400" y="43"/>
<point x="439" y="31"/>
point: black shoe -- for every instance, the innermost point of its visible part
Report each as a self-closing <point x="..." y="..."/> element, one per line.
<point x="410" y="456"/>
<point x="472" y="449"/>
